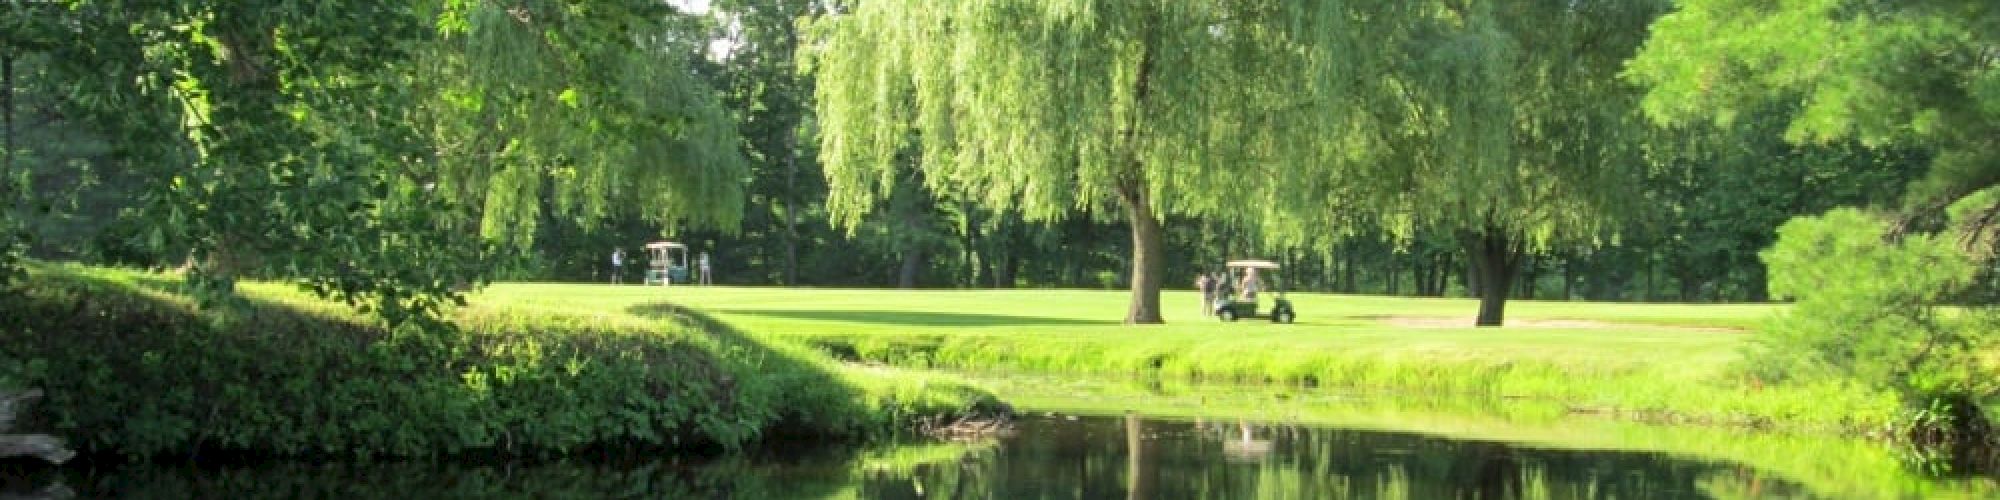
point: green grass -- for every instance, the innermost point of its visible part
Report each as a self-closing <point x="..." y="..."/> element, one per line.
<point x="1652" y="361"/>
<point x="131" y="367"/>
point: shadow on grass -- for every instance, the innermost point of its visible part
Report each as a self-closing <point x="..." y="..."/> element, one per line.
<point x="810" y="396"/>
<point x="896" y="318"/>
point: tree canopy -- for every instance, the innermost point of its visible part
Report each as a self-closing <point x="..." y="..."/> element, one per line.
<point x="1051" y="108"/>
<point x="1503" y="126"/>
<point x="1915" y="74"/>
<point x="353" y="144"/>
<point x="1871" y="287"/>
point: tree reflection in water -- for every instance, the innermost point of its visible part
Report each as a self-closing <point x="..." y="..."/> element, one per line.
<point x="1058" y="458"/>
<point x="1089" y="457"/>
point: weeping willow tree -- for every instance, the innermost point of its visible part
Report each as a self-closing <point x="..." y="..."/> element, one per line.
<point x="1502" y="125"/>
<point x="581" y="109"/>
<point x="1052" y="108"/>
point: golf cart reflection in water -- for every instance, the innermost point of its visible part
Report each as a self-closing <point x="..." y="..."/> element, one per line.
<point x="1246" y="282"/>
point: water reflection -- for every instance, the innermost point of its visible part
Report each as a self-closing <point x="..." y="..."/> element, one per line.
<point x="1047" y="457"/>
<point x="1059" y="458"/>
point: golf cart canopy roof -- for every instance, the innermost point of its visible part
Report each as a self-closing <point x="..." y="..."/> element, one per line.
<point x="665" y="244"/>
<point x="1252" y="264"/>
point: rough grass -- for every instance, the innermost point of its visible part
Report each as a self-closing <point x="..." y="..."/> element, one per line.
<point x="1652" y="361"/>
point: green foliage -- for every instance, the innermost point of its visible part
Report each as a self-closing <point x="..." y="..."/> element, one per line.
<point x="129" y="369"/>
<point x="1916" y="74"/>
<point x="1152" y="108"/>
<point x="1871" y="310"/>
<point x="1910" y="74"/>
<point x="584" y="111"/>
<point x="378" y="156"/>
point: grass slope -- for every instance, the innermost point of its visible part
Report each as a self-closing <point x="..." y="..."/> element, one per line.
<point x="1653" y="361"/>
<point x="131" y="367"/>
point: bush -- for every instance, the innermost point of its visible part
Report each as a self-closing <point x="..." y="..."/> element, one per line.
<point x="1872" y="308"/>
<point x="137" y="371"/>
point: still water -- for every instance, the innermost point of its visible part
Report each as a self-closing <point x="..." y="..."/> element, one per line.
<point x="1080" y="438"/>
<point x="1046" y="456"/>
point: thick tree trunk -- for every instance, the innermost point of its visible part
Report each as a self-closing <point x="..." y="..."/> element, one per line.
<point x="1148" y="257"/>
<point x="1494" y="260"/>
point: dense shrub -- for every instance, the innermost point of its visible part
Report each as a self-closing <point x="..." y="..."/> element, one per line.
<point x="1880" y="311"/>
<point x="136" y="371"/>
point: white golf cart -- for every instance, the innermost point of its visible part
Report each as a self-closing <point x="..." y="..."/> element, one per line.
<point x="668" y="263"/>
<point x="1231" y="308"/>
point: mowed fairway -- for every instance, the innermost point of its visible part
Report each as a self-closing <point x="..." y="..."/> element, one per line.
<point x="1695" y="338"/>
<point x="1649" y="358"/>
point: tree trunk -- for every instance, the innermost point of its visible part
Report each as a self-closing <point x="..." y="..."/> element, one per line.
<point x="791" y="274"/>
<point x="1529" y="272"/>
<point x="1347" y="284"/>
<point x="1648" y="296"/>
<point x="1494" y="259"/>
<point x="1148" y="256"/>
<point x="6" y="124"/>
<point x="1569" y="278"/>
<point x="1003" y="277"/>
<point x="1079" y="254"/>
<point x="1474" y="282"/>
<point x="1759" y="286"/>
<point x="1003" y="252"/>
<point x="1391" y="288"/>
<point x="913" y="261"/>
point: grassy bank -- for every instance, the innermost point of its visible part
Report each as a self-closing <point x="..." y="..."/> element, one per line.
<point x="1646" y="361"/>
<point x="132" y="368"/>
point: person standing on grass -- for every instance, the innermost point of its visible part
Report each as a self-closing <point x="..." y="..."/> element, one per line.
<point x="1207" y="286"/>
<point x="617" y="265"/>
<point x="705" y="270"/>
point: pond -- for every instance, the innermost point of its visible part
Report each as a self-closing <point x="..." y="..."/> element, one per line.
<point x="1192" y="442"/>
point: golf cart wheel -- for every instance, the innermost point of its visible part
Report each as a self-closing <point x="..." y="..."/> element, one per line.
<point x="1282" y="317"/>
<point x="1227" y="315"/>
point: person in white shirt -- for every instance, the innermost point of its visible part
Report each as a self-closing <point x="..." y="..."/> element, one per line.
<point x="705" y="270"/>
<point x="617" y="266"/>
